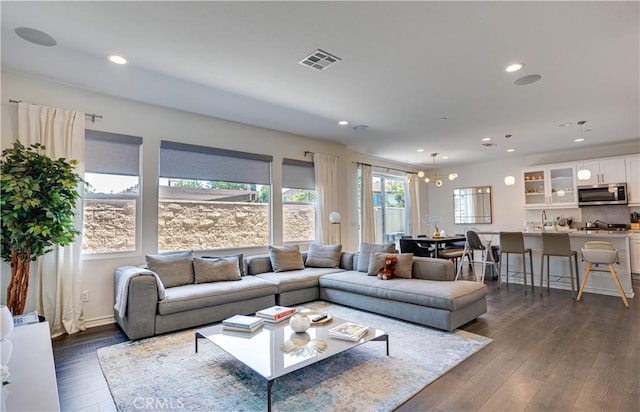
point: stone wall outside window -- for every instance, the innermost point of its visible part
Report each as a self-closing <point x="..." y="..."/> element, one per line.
<point x="109" y="225"/>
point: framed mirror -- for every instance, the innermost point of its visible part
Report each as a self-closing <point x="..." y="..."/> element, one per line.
<point x="472" y="205"/>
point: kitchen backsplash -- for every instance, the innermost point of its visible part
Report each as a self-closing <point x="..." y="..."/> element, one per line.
<point x="607" y="214"/>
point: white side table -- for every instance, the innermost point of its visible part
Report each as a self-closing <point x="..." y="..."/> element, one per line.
<point x="33" y="384"/>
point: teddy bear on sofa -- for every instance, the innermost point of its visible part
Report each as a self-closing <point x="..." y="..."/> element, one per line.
<point x="388" y="271"/>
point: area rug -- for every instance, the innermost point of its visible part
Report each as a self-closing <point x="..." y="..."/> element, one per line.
<point x="164" y="372"/>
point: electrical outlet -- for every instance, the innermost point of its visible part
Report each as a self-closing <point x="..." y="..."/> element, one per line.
<point x="85" y="296"/>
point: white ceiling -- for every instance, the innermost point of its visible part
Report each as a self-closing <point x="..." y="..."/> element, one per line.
<point x="405" y="66"/>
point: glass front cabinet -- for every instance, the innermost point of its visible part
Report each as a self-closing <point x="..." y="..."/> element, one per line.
<point x="550" y="186"/>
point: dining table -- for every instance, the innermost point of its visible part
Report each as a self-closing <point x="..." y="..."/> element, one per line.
<point x="437" y="242"/>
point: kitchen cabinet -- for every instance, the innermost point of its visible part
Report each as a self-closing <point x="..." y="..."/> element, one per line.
<point x="604" y="171"/>
<point x="550" y="186"/>
<point x="633" y="179"/>
<point x="635" y="252"/>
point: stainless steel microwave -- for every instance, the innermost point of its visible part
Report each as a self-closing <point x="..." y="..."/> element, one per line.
<point x="611" y="194"/>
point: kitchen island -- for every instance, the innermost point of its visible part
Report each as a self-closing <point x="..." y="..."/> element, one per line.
<point x="599" y="282"/>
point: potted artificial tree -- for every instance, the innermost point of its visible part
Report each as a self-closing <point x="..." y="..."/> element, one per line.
<point x="37" y="203"/>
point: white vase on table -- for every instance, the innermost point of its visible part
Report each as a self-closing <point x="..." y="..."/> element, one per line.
<point x="299" y="322"/>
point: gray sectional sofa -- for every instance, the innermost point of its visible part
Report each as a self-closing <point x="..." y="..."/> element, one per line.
<point x="429" y="297"/>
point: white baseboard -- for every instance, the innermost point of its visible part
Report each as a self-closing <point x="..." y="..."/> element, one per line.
<point x="103" y="320"/>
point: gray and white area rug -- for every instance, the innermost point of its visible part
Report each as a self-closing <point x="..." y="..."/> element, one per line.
<point x="164" y="372"/>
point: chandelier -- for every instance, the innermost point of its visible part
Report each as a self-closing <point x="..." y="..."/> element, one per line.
<point x="434" y="177"/>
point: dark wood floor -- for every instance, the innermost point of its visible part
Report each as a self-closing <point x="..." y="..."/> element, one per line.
<point x="549" y="353"/>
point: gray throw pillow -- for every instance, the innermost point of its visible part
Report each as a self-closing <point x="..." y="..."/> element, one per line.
<point x="284" y="258"/>
<point x="174" y="269"/>
<point x="238" y="256"/>
<point x="366" y="249"/>
<point x="323" y="256"/>
<point x="404" y="265"/>
<point x="216" y="269"/>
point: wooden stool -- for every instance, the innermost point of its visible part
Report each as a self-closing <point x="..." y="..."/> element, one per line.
<point x="601" y="253"/>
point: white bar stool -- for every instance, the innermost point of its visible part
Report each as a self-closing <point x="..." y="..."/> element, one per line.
<point x="601" y="253"/>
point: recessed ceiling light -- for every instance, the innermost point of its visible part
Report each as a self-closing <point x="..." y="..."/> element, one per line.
<point x="445" y="157"/>
<point x="343" y="122"/>
<point x="420" y="150"/>
<point x="511" y="150"/>
<point x="114" y="58"/>
<point x="514" y="67"/>
<point x="35" y="36"/>
<point x="564" y="124"/>
<point x="579" y="139"/>
<point x="486" y="139"/>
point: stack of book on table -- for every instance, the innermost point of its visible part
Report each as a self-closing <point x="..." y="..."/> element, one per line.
<point x="276" y="314"/>
<point x="348" y="331"/>
<point x="241" y="323"/>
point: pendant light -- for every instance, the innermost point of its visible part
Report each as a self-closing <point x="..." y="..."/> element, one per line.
<point x="583" y="174"/>
<point x="434" y="177"/>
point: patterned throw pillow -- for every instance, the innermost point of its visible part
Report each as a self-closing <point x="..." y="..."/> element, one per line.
<point x="323" y="256"/>
<point x="174" y="269"/>
<point x="404" y="265"/>
<point x="366" y="249"/>
<point x="216" y="269"/>
<point x="285" y="258"/>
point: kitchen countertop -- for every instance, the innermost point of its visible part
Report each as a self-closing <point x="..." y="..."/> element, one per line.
<point x="584" y="233"/>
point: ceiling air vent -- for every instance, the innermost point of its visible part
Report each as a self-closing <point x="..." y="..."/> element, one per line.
<point x="488" y="144"/>
<point x="319" y="60"/>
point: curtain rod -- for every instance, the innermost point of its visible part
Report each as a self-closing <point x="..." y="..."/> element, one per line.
<point x="93" y="116"/>
<point x="387" y="168"/>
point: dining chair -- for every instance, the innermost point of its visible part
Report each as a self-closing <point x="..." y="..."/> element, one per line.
<point x="472" y="244"/>
<point x="558" y="244"/>
<point x="513" y="243"/>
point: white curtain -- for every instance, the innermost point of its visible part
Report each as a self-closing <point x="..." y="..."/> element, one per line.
<point x="367" y="218"/>
<point x="58" y="272"/>
<point x="326" y="173"/>
<point x="414" y="207"/>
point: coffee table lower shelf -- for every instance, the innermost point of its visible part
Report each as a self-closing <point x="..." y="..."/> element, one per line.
<point x="260" y="350"/>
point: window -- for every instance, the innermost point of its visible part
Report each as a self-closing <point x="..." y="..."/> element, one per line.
<point x="389" y="207"/>
<point x="112" y="193"/>
<point x="212" y="198"/>
<point x="298" y="201"/>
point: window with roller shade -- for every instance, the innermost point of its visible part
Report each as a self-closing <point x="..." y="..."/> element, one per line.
<point x="111" y="215"/>
<point x="212" y="198"/>
<point x="298" y="201"/>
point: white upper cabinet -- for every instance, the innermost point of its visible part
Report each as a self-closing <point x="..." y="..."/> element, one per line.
<point x="603" y="171"/>
<point x="633" y="180"/>
<point x="550" y="186"/>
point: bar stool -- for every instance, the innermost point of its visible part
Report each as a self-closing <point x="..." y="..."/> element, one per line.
<point x="601" y="253"/>
<point x="513" y="242"/>
<point x="558" y="244"/>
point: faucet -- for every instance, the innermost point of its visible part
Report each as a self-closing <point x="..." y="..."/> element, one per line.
<point x="543" y="218"/>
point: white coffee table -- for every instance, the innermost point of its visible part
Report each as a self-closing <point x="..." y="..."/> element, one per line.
<point x="261" y="350"/>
